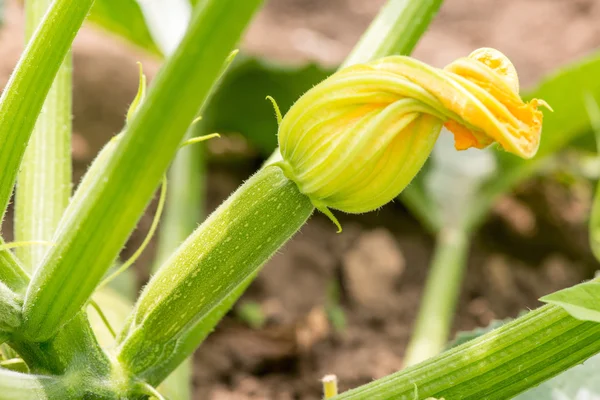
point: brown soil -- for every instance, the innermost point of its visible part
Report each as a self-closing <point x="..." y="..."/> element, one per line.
<point x="534" y="242"/>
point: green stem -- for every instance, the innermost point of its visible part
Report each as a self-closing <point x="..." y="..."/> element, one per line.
<point x="185" y="199"/>
<point x="44" y="181"/>
<point x="10" y="310"/>
<point x="216" y="260"/>
<point x="74" y="349"/>
<point x="439" y="299"/>
<point x="183" y="213"/>
<point x="93" y="231"/>
<point x="16" y="385"/>
<point x="192" y="338"/>
<point x="497" y="365"/>
<point x="46" y="172"/>
<point x="396" y="30"/>
<point x="24" y="95"/>
<point x="12" y="274"/>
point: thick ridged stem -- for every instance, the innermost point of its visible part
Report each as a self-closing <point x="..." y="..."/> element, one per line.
<point x="44" y="181"/>
<point x="497" y="365"/>
<point x="24" y="95"/>
<point x="45" y="184"/>
<point x="93" y="232"/>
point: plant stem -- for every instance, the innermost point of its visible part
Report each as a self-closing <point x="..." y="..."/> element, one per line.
<point x="439" y="298"/>
<point x="396" y="30"/>
<point x="10" y="310"/>
<point x="12" y="274"/>
<point x="93" y="231"/>
<point x="185" y="199"/>
<point x="73" y="349"/>
<point x="44" y="181"/>
<point x="196" y="334"/>
<point x="183" y="213"/>
<point x="214" y="262"/>
<point x="21" y="386"/>
<point x="497" y="365"/>
<point x="24" y="95"/>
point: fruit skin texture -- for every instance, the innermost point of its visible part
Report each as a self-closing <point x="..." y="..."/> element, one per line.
<point x="354" y="141"/>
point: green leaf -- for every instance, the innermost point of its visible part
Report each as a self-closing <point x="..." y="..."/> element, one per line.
<point x="581" y="301"/>
<point x="566" y="91"/>
<point x="252" y="314"/>
<point x="465" y="336"/>
<point x="124" y="18"/>
<point x="240" y="105"/>
<point x="594" y="226"/>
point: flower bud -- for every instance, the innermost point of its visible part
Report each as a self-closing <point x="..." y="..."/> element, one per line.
<point x="354" y="141"/>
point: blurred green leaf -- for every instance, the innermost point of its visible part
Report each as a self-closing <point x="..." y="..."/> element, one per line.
<point x="166" y="21"/>
<point x="581" y="301"/>
<point x="252" y="314"/>
<point x="125" y="284"/>
<point x="116" y="309"/>
<point x="240" y="105"/>
<point x="333" y="306"/>
<point x="594" y="227"/>
<point x="566" y="91"/>
<point x="124" y="18"/>
<point x="465" y="336"/>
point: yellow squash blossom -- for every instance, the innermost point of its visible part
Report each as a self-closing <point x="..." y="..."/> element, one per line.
<point x="354" y="141"/>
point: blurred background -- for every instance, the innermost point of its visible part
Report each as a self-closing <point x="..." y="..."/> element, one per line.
<point x="346" y="303"/>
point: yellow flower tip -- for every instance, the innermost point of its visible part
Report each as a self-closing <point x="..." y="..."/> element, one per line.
<point x="498" y="114"/>
<point x="499" y="63"/>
